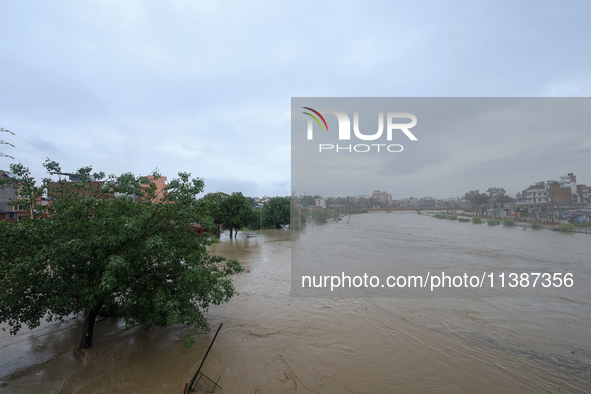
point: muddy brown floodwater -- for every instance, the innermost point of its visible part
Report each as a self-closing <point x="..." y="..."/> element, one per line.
<point x="273" y="343"/>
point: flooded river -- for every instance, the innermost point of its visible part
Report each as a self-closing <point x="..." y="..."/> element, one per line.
<point x="272" y="342"/>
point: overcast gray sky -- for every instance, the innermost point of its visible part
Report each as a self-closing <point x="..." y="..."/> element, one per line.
<point x="205" y="86"/>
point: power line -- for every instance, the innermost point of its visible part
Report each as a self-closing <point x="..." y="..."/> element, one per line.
<point x="35" y="145"/>
<point x="6" y="131"/>
<point x="7" y="143"/>
<point x="24" y="151"/>
<point x="28" y="163"/>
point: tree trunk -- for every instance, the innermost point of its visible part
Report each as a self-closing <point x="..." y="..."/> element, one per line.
<point x="236" y="233"/>
<point x="88" y="326"/>
<point x="231" y="232"/>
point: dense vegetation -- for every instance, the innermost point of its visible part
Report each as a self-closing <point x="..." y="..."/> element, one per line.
<point x="110" y="247"/>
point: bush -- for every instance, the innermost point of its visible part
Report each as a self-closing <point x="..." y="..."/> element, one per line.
<point x="476" y="219"/>
<point x="509" y="222"/>
<point x="446" y="216"/>
<point x="565" y="227"/>
<point x="537" y="226"/>
<point x="493" y="222"/>
<point x="463" y="220"/>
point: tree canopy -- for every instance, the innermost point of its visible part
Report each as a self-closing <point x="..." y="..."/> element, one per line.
<point x="214" y="204"/>
<point x="109" y="247"/>
<point x="309" y="200"/>
<point x="230" y="211"/>
<point x="276" y="212"/>
<point x="498" y="194"/>
<point x="476" y="198"/>
<point x="236" y="212"/>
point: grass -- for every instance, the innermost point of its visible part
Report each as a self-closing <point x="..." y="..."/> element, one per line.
<point x="452" y="216"/>
<point x="537" y="226"/>
<point x="493" y="222"/>
<point x="565" y="227"/>
<point x="476" y="219"/>
<point x="463" y="220"/>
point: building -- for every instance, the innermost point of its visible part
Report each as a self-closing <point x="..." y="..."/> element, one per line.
<point x="320" y="203"/>
<point x="8" y="216"/>
<point x="534" y="193"/>
<point x="384" y="196"/>
<point x="549" y="200"/>
<point x="72" y="178"/>
<point x="8" y="192"/>
<point x="583" y="193"/>
<point x="160" y="183"/>
<point x="570" y="181"/>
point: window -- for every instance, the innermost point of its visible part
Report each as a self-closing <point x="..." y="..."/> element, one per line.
<point x="20" y="207"/>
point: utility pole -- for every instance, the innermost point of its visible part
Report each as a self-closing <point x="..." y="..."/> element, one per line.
<point x="535" y="213"/>
<point x="552" y="204"/>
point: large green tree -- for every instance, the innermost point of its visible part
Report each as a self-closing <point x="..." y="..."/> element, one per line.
<point x="499" y="194"/>
<point x="108" y="247"/>
<point x="236" y="212"/>
<point x="276" y="212"/>
<point x="476" y="198"/>
<point x="213" y="203"/>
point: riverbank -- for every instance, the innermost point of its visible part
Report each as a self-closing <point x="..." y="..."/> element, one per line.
<point x="554" y="226"/>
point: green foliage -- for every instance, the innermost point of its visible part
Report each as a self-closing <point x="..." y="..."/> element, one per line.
<point x="499" y="194"/>
<point x="130" y="256"/>
<point x="213" y="204"/>
<point x="236" y="212"/>
<point x="254" y="221"/>
<point x="320" y="217"/>
<point x="452" y="216"/>
<point x="564" y="227"/>
<point x="537" y="226"/>
<point x="477" y="219"/>
<point x="27" y="193"/>
<point x="227" y="211"/>
<point x="276" y="212"/>
<point x="464" y="220"/>
<point x="493" y="222"/>
<point x="476" y="198"/>
<point x="509" y="222"/>
<point x="309" y="200"/>
<point x="372" y="202"/>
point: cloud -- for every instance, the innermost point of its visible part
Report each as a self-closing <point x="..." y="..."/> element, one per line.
<point x="205" y="86"/>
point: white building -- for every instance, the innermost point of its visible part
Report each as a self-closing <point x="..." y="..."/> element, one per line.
<point x="321" y="203"/>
